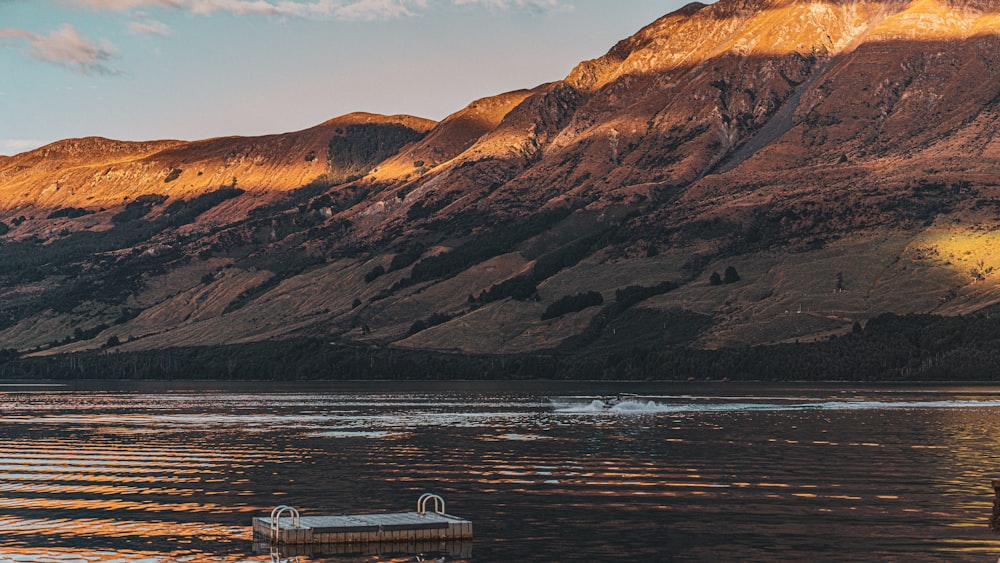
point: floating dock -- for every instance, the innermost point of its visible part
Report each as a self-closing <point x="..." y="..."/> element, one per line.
<point x="285" y="526"/>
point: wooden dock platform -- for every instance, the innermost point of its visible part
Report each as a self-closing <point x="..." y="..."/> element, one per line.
<point x="450" y="549"/>
<point x="286" y="526"/>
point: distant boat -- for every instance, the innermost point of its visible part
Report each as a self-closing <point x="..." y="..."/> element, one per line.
<point x="612" y="402"/>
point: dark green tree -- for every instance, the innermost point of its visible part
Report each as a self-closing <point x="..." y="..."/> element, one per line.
<point x="730" y="276"/>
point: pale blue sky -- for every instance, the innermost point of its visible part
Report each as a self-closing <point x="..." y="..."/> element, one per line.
<point x="193" y="69"/>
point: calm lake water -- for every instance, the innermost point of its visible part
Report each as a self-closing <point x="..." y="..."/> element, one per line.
<point x="173" y="472"/>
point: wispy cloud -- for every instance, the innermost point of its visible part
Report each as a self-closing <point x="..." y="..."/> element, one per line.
<point x="64" y="47"/>
<point x="295" y="8"/>
<point x="68" y="48"/>
<point x="377" y="9"/>
<point x="150" y="27"/>
<point x="262" y="7"/>
<point x="535" y="5"/>
<point x="339" y="9"/>
<point x="123" y="5"/>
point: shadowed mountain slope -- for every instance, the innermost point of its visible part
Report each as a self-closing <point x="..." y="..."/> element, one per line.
<point x="838" y="156"/>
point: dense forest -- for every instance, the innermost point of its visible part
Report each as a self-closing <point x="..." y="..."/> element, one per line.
<point x="889" y="348"/>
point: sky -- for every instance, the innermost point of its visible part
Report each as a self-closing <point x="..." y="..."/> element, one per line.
<point x="195" y="69"/>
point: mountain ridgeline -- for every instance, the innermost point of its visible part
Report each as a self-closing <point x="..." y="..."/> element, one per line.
<point x="733" y="179"/>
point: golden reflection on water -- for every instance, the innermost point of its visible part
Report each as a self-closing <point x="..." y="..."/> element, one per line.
<point x="69" y="555"/>
<point x="106" y="527"/>
<point x="117" y="482"/>
<point x="180" y="481"/>
<point x="114" y="504"/>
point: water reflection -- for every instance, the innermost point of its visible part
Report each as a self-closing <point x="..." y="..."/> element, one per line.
<point x="750" y="474"/>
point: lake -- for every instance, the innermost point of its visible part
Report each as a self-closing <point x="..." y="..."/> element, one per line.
<point x="164" y="472"/>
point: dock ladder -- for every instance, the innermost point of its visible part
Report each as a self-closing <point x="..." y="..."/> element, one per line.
<point x="276" y="518"/>
<point x="422" y="503"/>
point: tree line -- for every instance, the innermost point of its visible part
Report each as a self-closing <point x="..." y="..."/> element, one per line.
<point x="889" y="348"/>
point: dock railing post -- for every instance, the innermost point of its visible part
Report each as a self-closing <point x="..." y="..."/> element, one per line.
<point x="995" y="518"/>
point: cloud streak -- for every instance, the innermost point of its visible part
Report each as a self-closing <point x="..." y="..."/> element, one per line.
<point x="68" y="48"/>
<point x="149" y="27"/>
<point x="536" y="5"/>
<point x="376" y="9"/>
<point x="338" y="9"/>
<point x="125" y="5"/>
<point x="64" y="47"/>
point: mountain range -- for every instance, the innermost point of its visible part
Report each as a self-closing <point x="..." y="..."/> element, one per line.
<point x="750" y="172"/>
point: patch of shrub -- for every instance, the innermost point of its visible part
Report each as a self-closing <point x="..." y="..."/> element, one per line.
<point x="520" y="288"/>
<point x="569" y="255"/>
<point x="69" y="213"/>
<point x="628" y="296"/>
<point x="731" y="276"/>
<point x="374" y="273"/>
<point x="426" y="207"/>
<point x="573" y="304"/>
<point x="80" y="334"/>
<point x="354" y="151"/>
<point x="624" y="299"/>
<point x="127" y="314"/>
<point x="407" y="255"/>
<point x="482" y="248"/>
<point x="182" y="212"/>
<point x="248" y="295"/>
<point x="424" y="324"/>
<point x="173" y="175"/>
<point x="138" y="208"/>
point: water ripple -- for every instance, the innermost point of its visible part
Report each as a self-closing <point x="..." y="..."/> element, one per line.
<point x="101" y="477"/>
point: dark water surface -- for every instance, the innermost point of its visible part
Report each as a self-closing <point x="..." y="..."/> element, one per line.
<point x="173" y="472"/>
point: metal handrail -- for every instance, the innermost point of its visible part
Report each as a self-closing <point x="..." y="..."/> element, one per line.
<point x="276" y="518"/>
<point x="422" y="503"/>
